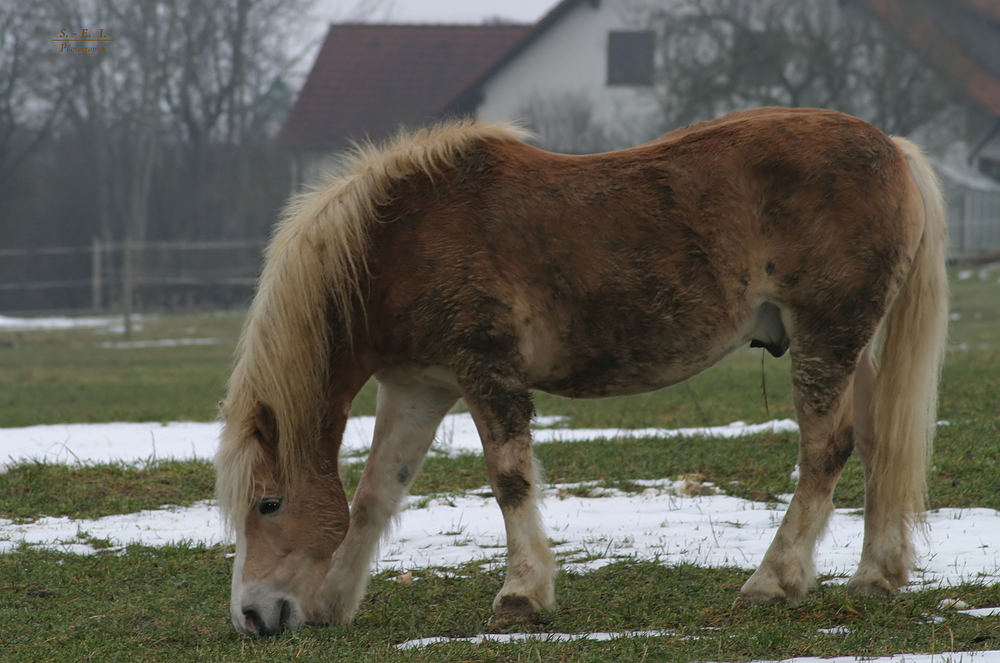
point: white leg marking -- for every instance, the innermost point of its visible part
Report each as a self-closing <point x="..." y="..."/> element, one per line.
<point x="887" y="554"/>
<point x="410" y="407"/>
<point x="531" y="568"/>
<point x="788" y="569"/>
<point x="529" y="586"/>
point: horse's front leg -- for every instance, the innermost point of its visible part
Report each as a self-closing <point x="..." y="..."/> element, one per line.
<point x="503" y="420"/>
<point x="408" y="412"/>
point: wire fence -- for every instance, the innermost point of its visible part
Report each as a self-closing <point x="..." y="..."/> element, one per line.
<point x="177" y="275"/>
<point x="123" y="276"/>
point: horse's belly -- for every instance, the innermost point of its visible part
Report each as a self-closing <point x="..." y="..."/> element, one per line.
<point x="607" y="375"/>
<point x="571" y="388"/>
<point x="627" y="350"/>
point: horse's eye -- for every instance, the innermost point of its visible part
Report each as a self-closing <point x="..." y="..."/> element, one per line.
<point x="269" y="506"/>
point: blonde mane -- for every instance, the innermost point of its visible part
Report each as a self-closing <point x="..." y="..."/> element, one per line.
<point x="316" y="260"/>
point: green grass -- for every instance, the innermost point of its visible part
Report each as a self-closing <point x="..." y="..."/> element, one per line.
<point x="172" y="603"/>
<point x="68" y="377"/>
<point x="101" y="490"/>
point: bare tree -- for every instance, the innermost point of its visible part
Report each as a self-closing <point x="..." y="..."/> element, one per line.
<point x="141" y="71"/>
<point x="91" y="107"/>
<point x="364" y="10"/>
<point x="723" y="55"/>
<point x="229" y="60"/>
<point x="115" y="105"/>
<point x="565" y="123"/>
<point x="228" y="86"/>
<point x="182" y="77"/>
<point x="164" y="133"/>
<point x="900" y="93"/>
<point x="29" y="109"/>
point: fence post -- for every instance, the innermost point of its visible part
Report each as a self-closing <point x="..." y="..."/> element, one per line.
<point x="95" y="274"/>
<point x="127" y="284"/>
<point x="29" y="264"/>
<point x="966" y="218"/>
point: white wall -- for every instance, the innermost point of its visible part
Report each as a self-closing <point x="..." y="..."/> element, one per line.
<point x="571" y="58"/>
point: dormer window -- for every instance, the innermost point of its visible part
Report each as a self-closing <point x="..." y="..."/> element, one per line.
<point x="990" y="167"/>
<point x="630" y="57"/>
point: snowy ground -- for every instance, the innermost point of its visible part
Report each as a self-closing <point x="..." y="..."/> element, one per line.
<point x="661" y="523"/>
<point x="658" y="523"/>
<point x="131" y="443"/>
<point x="54" y="323"/>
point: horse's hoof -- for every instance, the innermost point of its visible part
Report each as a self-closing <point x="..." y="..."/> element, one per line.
<point x="877" y="587"/>
<point x="762" y="588"/>
<point x="514" y="610"/>
<point x="752" y="598"/>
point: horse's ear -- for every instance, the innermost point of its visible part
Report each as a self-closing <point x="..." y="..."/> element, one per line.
<point x="266" y="427"/>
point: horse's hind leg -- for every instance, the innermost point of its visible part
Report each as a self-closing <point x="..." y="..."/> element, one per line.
<point x="824" y="402"/>
<point x="503" y="420"/>
<point x="410" y="407"/>
<point x="887" y="554"/>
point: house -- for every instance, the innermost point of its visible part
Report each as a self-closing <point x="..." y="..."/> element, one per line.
<point x="961" y="40"/>
<point x="973" y="201"/>
<point x="589" y="65"/>
<point x="370" y="80"/>
<point x="592" y="59"/>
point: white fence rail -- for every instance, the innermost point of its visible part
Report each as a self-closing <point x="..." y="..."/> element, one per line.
<point x="974" y="222"/>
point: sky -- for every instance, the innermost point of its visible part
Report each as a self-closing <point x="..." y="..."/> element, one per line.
<point x="437" y="11"/>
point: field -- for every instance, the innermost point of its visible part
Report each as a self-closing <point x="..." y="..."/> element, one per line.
<point x="170" y="602"/>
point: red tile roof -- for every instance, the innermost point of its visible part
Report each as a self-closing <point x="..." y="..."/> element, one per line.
<point x="368" y="80"/>
<point x="941" y="32"/>
<point x="987" y="8"/>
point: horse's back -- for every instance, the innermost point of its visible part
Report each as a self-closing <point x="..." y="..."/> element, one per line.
<point x="630" y="270"/>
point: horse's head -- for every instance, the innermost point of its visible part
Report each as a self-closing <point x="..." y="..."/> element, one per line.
<point x="287" y="525"/>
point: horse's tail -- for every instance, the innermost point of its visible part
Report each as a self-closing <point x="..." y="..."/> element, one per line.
<point x="914" y="335"/>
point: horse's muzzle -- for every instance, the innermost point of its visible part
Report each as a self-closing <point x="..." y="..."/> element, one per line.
<point x="263" y="613"/>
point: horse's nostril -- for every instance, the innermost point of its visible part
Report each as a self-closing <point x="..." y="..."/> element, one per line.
<point x="283" y="615"/>
<point x="252" y="622"/>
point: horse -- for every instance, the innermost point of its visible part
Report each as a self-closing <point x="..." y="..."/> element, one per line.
<point x="459" y="261"/>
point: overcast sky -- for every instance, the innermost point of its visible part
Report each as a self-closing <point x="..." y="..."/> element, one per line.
<point x="466" y="12"/>
<point x="440" y="11"/>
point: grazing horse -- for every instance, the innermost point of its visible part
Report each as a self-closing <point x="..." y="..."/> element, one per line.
<point x="460" y="262"/>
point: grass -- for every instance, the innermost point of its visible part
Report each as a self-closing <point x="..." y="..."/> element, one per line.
<point x="101" y="490"/>
<point x="172" y="603"/>
<point x="70" y="377"/>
